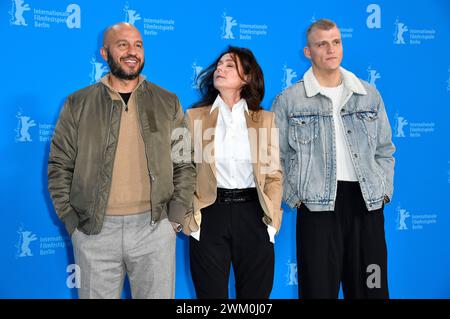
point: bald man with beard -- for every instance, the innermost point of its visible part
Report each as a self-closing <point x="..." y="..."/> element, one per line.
<point x="112" y="178"/>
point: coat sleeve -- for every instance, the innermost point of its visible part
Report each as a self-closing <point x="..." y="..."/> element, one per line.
<point x="61" y="163"/>
<point x="184" y="173"/>
<point x="281" y="121"/>
<point x="274" y="177"/>
<point x="385" y="150"/>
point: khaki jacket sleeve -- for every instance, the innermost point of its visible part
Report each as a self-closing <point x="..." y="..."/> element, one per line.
<point x="61" y="163"/>
<point x="184" y="173"/>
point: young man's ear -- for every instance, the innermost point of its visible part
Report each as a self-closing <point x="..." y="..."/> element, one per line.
<point x="307" y="52"/>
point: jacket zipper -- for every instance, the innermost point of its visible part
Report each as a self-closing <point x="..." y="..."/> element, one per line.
<point x="104" y="156"/>
<point x="146" y="156"/>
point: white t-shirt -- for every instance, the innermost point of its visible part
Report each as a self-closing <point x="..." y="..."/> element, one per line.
<point x="344" y="164"/>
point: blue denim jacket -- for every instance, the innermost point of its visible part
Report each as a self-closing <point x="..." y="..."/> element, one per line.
<point x="307" y="142"/>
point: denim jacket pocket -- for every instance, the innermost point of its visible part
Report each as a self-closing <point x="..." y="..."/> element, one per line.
<point x="302" y="129"/>
<point x="369" y="121"/>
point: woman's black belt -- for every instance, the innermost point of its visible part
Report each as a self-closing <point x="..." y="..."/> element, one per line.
<point x="225" y="195"/>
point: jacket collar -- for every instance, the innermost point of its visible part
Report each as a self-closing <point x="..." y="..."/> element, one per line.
<point x="351" y="82"/>
<point x="105" y="80"/>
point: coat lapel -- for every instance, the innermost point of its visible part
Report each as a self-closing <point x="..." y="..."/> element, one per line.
<point x="209" y="122"/>
<point x="253" y="120"/>
<point x="209" y="126"/>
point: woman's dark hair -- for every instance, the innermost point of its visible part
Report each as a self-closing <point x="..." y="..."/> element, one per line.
<point x="253" y="89"/>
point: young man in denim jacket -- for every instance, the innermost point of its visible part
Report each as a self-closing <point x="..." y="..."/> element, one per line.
<point x="337" y="155"/>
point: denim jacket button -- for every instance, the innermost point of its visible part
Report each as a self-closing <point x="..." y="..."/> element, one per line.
<point x="363" y="179"/>
<point x="349" y="132"/>
<point x="356" y="155"/>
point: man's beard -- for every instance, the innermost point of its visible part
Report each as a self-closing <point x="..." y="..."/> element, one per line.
<point x="119" y="72"/>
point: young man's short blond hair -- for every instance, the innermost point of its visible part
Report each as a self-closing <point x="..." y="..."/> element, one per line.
<point x="321" y="24"/>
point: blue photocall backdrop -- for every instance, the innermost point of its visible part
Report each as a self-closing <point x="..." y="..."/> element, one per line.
<point x="52" y="49"/>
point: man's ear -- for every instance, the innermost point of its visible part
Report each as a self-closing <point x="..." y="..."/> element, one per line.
<point x="104" y="53"/>
<point x="307" y="52"/>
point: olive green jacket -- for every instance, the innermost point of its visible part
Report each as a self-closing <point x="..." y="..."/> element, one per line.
<point x="83" y="149"/>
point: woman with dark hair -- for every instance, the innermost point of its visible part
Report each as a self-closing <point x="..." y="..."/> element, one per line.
<point x="237" y="202"/>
